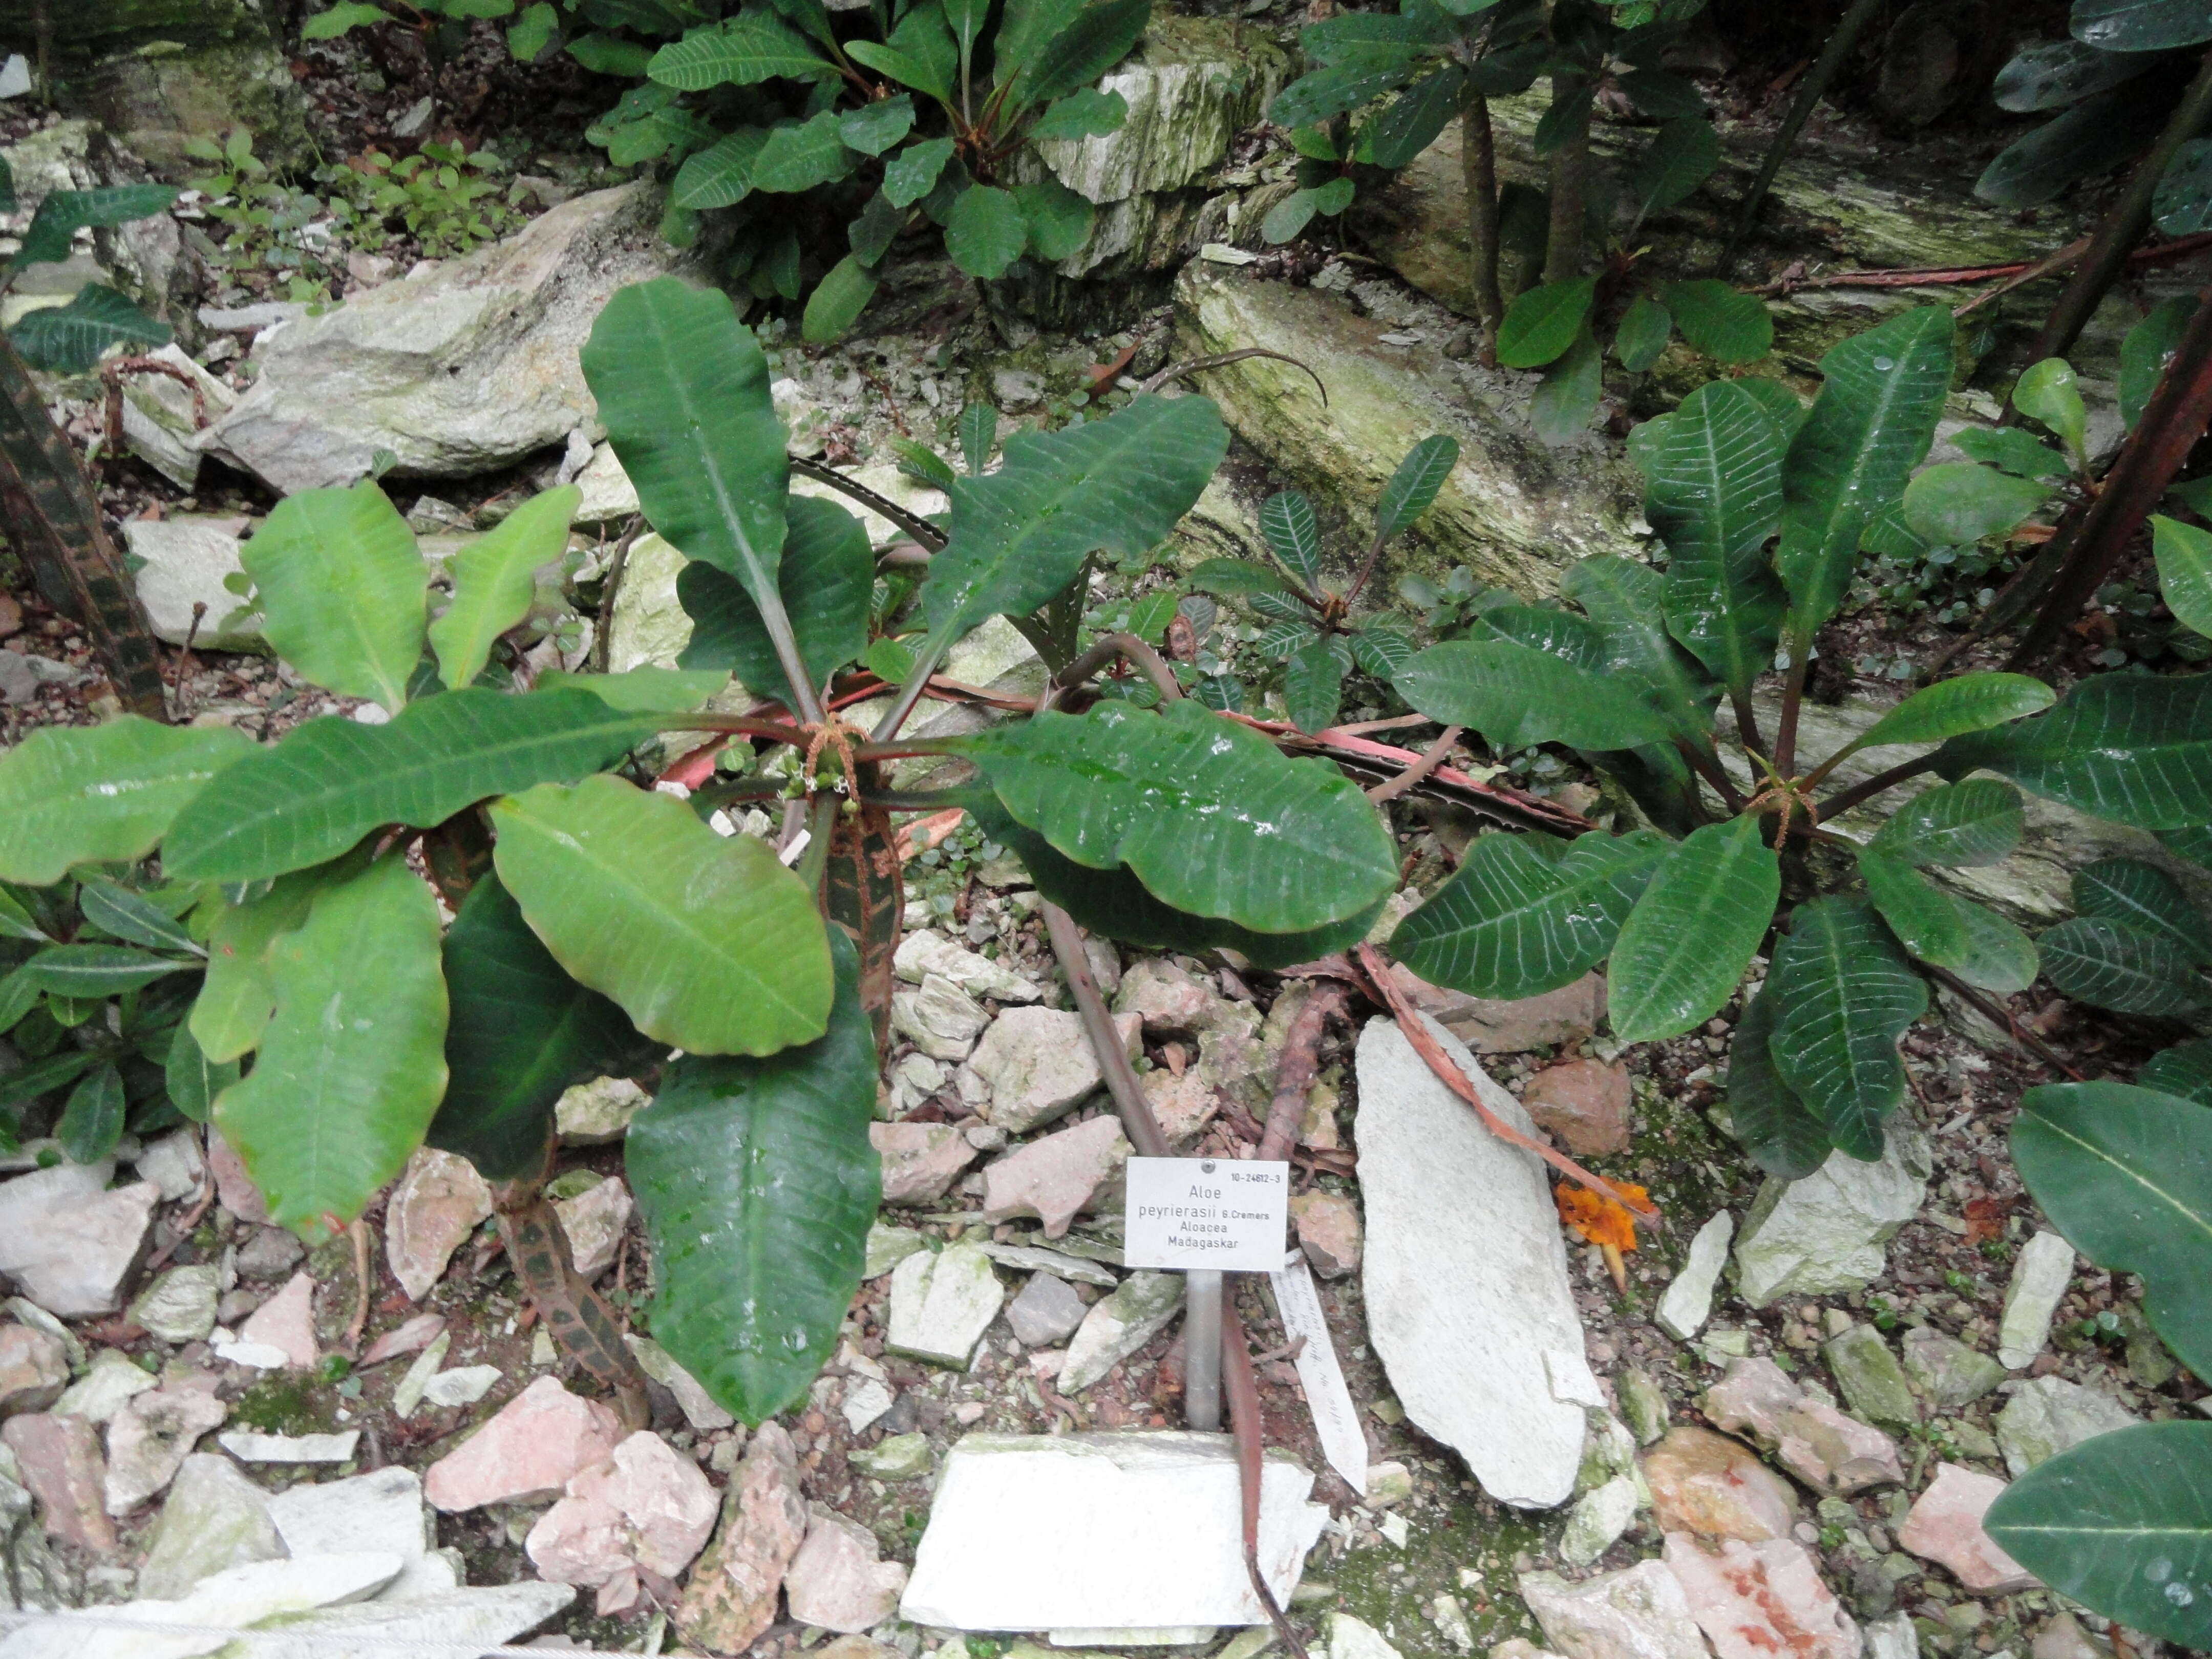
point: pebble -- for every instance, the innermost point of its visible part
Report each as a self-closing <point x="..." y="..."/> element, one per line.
<point x="898" y="1457"/>
<point x="1329" y="1232"/>
<point x="2047" y="1415"/>
<point x="1951" y="1373"/>
<point x="1057" y="1176"/>
<point x="286" y="1322"/>
<point x="33" y="1370"/>
<point x="593" y="1222"/>
<point x="920" y="1161"/>
<point x="271" y="1253"/>
<point x="1688" y="1300"/>
<point x="105" y="1388"/>
<point x="1828" y="1233"/>
<point x="836" y="1581"/>
<point x="174" y="1164"/>
<point x="178" y="1306"/>
<point x="941" y="1304"/>
<point x="62" y="1466"/>
<point x="1873" y="1383"/>
<point x="213" y="1518"/>
<point x="1598" y="1519"/>
<point x="1816" y="1443"/>
<point x="407" y="1392"/>
<point x="1945" y="1527"/>
<point x="701" y="1410"/>
<point x="148" y="1440"/>
<point x="1036" y="1064"/>
<point x="1643" y="1405"/>
<point x="464" y="1386"/>
<point x="889" y="1246"/>
<point x="595" y="1113"/>
<point x="290" y="1447"/>
<point x="1048" y="1310"/>
<point x="1639" y="1613"/>
<point x="1584" y="1103"/>
<point x="1755" y="1600"/>
<point x="1355" y="1638"/>
<point x="439" y="1200"/>
<point x="940" y="1020"/>
<point x="69" y="1241"/>
<point x="1168" y="999"/>
<point x="2040" y="1278"/>
<point x="923" y="954"/>
<point x="1706" y="1483"/>
<point x="1118" y="1325"/>
<point x="412" y="1337"/>
<point x="731" y="1597"/>
<point x="643" y="1507"/>
<point x="529" y="1450"/>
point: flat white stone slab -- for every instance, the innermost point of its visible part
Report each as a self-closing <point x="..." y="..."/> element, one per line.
<point x="1466" y="1274"/>
<point x="290" y="1447"/>
<point x="1159" y="1519"/>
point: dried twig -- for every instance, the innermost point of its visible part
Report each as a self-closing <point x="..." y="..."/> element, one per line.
<point x="1243" y="1389"/>
<point x="359" y="1323"/>
<point x="1294" y="1076"/>
<point x="1431" y="757"/>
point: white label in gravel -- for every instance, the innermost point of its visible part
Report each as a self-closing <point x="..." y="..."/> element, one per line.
<point x="1207" y="1215"/>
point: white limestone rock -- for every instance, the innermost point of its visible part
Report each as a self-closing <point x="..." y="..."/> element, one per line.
<point x="2039" y="1278"/>
<point x="1828" y="1233"/>
<point x="1688" y="1302"/>
<point x="942" y="1304"/>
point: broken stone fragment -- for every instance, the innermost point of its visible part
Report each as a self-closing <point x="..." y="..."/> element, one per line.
<point x="940" y="1018"/>
<point x="2047" y="1415"/>
<point x="1945" y="1527"/>
<point x="594" y="1222"/>
<point x="286" y="1322"/>
<point x="213" y="1518"/>
<point x="1328" y="1231"/>
<point x="439" y="1200"/>
<point x="644" y="1507"/>
<point x="68" y="1241"/>
<point x="923" y="954"/>
<point x="1638" y="1614"/>
<point x="592" y="1114"/>
<point x="1828" y="1233"/>
<point x="1873" y="1383"/>
<point x="1818" y="1443"/>
<point x="1585" y="1102"/>
<point x="921" y="1160"/>
<point x="1168" y="1000"/>
<point x="150" y="1439"/>
<point x="1048" y="1310"/>
<point x="941" y="1304"/>
<point x="1120" y="1324"/>
<point x="1755" y="1600"/>
<point x="732" y="1595"/>
<point x="178" y="1306"/>
<point x="529" y="1450"/>
<point x="1036" y="1064"/>
<point x="2039" y="1278"/>
<point x="836" y="1581"/>
<point x="1951" y="1373"/>
<point x="63" y="1468"/>
<point x="33" y="1370"/>
<point x="1687" y="1302"/>
<point x="1057" y="1176"/>
<point x="1706" y="1483"/>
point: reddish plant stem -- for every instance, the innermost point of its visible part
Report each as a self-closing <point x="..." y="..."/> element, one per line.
<point x="1294" y="1077"/>
<point x="1431" y="757"/>
<point x="1245" y="1424"/>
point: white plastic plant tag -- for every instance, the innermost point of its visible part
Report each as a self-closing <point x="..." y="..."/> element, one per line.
<point x="1336" y="1420"/>
<point x="1207" y="1213"/>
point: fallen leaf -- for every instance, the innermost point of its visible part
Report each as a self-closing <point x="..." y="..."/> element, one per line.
<point x="1597" y="1218"/>
<point x="1985" y="1217"/>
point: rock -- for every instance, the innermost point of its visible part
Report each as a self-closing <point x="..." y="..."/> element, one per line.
<point x="1951" y="1373"/>
<point x="2064" y="1638"/>
<point x="113" y="1378"/>
<point x="286" y="1322"/>
<point x="899" y="1458"/>
<point x="1036" y="1064"/>
<point x="836" y="1581"/>
<point x="271" y="1253"/>
<point x="62" y="1468"/>
<point x="920" y="1161"/>
<point x="1706" y="1483"/>
<point x="456" y="1620"/>
<point x="1826" y="1234"/>
<point x="1642" y="1404"/>
<point x="1161" y="1533"/>
<point x="174" y="1164"/>
<point x="382" y="1511"/>
<point x="1329" y="1232"/>
<point x="941" y="1304"/>
<point x="1170" y="1001"/>
<point x="594" y="1222"/>
<point x="649" y="627"/>
<point x="1894" y="1637"/>
<point x="887" y="1247"/>
<point x="411" y="1336"/>
<point x="592" y="1114"/>
<point x="1755" y="1600"/>
<point x="439" y="1200"/>
<point x="213" y="1518"/>
<point x="178" y="1306"/>
<point x="67" y="1243"/>
<point x="1585" y="1102"/>
<point x="2047" y="1415"/>
<point x="33" y="1370"/>
<point x="1873" y="1383"/>
<point x="2040" y="1278"/>
<point x="236" y="1598"/>
<point x="646" y="1507"/>
<point x="1387" y="1484"/>
<point x="1182" y="1106"/>
<point x="1945" y="1527"/>
<point x="1035" y="1258"/>
<point x="923" y="954"/>
<point x="1598" y="1519"/>
<point x="1118" y="1325"/>
<point x="463" y="1386"/>
<point x="698" y="1407"/>
<point x="1056" y="1177"/>
<point x="530" y="1448"/>
<point x="150" y="1439"/>
<point x="941" y="1019"/>
<point x="1355" y="1638"/>
<point x="1560" y="1018"/>
<point x="1688" y="1301"/>
<point x="1468" y="1304"/>
<point x="1047" y="1311"/>
<point x="731" y="1597"/>
<point x="161" y="425"/>
<point x="1817" y="1444"/>
<point x="233" y="1187"/>
<point x="290" y="1447"/>
<point x="458" y="371"/>
<point x="1639" y="1614"/>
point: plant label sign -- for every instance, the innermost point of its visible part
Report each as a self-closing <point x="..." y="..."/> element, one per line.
<point x="1207" y="1215"/>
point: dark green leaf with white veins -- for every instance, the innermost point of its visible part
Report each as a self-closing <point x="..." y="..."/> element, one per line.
<point x="1693" y="932"/>
<point x="909" y="175"/>
<point x="753" y="46"/>
<point x="986" y="232"/>
<point x="1871" y="425"/>
<point x="1512" y="924"/>
<point x="1938" y="927"/>
<point x="683" y="388"/>
<point x="1980" y="821"/>
<point x="2145" y="896"/>
<point x="1727" y="326"/>
<point x="2141" y="25"/>
<point x="70" y="339"/>
<point x="98" y="795"/>
<point x="329" y="782"/>
<point x="1622" y="599"/>
<point x="1287" y="525"/>
<point x="2112" y="964"/>
<point x="521" y="1032"/>
<point x="342" y="591"/>
<point x="1515" y="694"/>
<point x="1843" y="996"/>
<point x="2184" y="570"/>
<point x="803" y="155"/>
<point x="1972" y="703"/>
<point x="1332" y="91"/>
<point x="90" y="971"/>
<point x="1118" y="486"/>
<point x="92" y="1121"/>
<point x="1313" y="685"/>
<point x="707" y="942"/>
<point x="1680" y="156"/>
<point x="133" y="917"/>
<point x="1058" y="219"/>
<point x="1413" y="485"/>
<point x="1961" y="502"/>
<point x="2134" y="748"/>
<point x="874" y="128"/>
<point x="1412" y="121"/>
<point x="63" y="213"/>
<point x="2184" y="1070"/>
<point x="1782" y="1135"/>
<point x="1644" y="330"/>
<point x="829" y="572"/>
<point x="1542" y="323"/>
<point x="757" y="1184"/>
<point x="2119" y="1523"/>
<point x="353" y="1062"/>
<point x="1209" y="815"/>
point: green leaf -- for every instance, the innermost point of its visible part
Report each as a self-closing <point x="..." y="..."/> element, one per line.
<point x="2000" y="958"/>
<point x="874" y="128"/>
<point x="2183" y="203"/>
<point x="1662" y="95"/>
<point x="329" y="782"/>
<point x="1843" y="996"/>
<point x="2117" y="1523"/>
<point x="1117" y="486"/>
<point x="1059" y="220"/>
<point x="871" y="235"/>
<point x="1958" y="502"/>
<point x="757" y="1184"/>
<point x="1644" y="330"/>
<point x="193" y="1080"/>
<point x="1413" y="486"/>
<point x="2194" y="843"/>
<point x="133" y="917"/>
<point x="2183" y="1071"/>
<point x="905" y="68"/>
<point x="1515" y="694"/>
<point x="2008" y="449"/>
<point x="722" y="173"/>
<point x="754" y="46"/>
<point x="1084" y="113"/>
<point x="1287" y="220"/>
<point x="610" y="54"/>
<point x="2112" y="964"/>
<point x="1687" y="943"/>
<point x="2143" y="895"/>
<point x="1727" y="326"/>
<point x="1563" y="404"/>
<point x="346" y="15"/>
<point x="985" y="232"/>
<point x="1512" y="923"/>
<point x="71" y="339"/>
<point x="800" y="156"/>
<point x="92" y="1122"/>
<point x="1100" y="37"/>
<point x="683" y="388"/>
<point x="709" y="944"/>
<point x="342" y="590"/>
<point x="1977" y="821"/>
<point x="1782" y="1135"/>
<point x="1623" y="600"/>
<point x="238" y="995"/>
<point x="912" y="173"/>
<point x="533" y="32"/>
<point x="1233" y="579"/>
<point x="2052" y="74"/>
<point x="1928" y="921"/>
<point x="15" y="921"/>
<point x="979" y="436"/>
<point x="1542" y="323"/>
<point x="645" y="689"/>
<point x="521" y="1032"/>
<point x="2094" y="136"/>
<point x="43" y="1077"/>
<point x="99" y="794"/>
<point x="1713" y="492"/>
<point x="1972" y="703"/>
<point x="837" y="301"/>
<point x="2126" y="1174"/>
<point x="352" y="1064"/>
<point x="1414" y="119"/>
<point x="2136" y="749"/>
<point x="1680" y="158"/>
<point x="2184" y="570"/>
<point x="1210" y="815"/>
<point x="2146" y="350"/>
<point x="2140" y="25"/>
<point x="493" y="581"/>
<point x="63" y="213"/>
<point x="1288" y="526"/>
<point x="2048" y="391"/>
<point x="1871" y="425"/>
<point x="1313" y="685"/>
<point x="829" y="575"/>
<point x="88" y="972"/>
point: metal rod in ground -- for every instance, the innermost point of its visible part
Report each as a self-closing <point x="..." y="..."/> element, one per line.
<point x="1202" y="1356"/>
